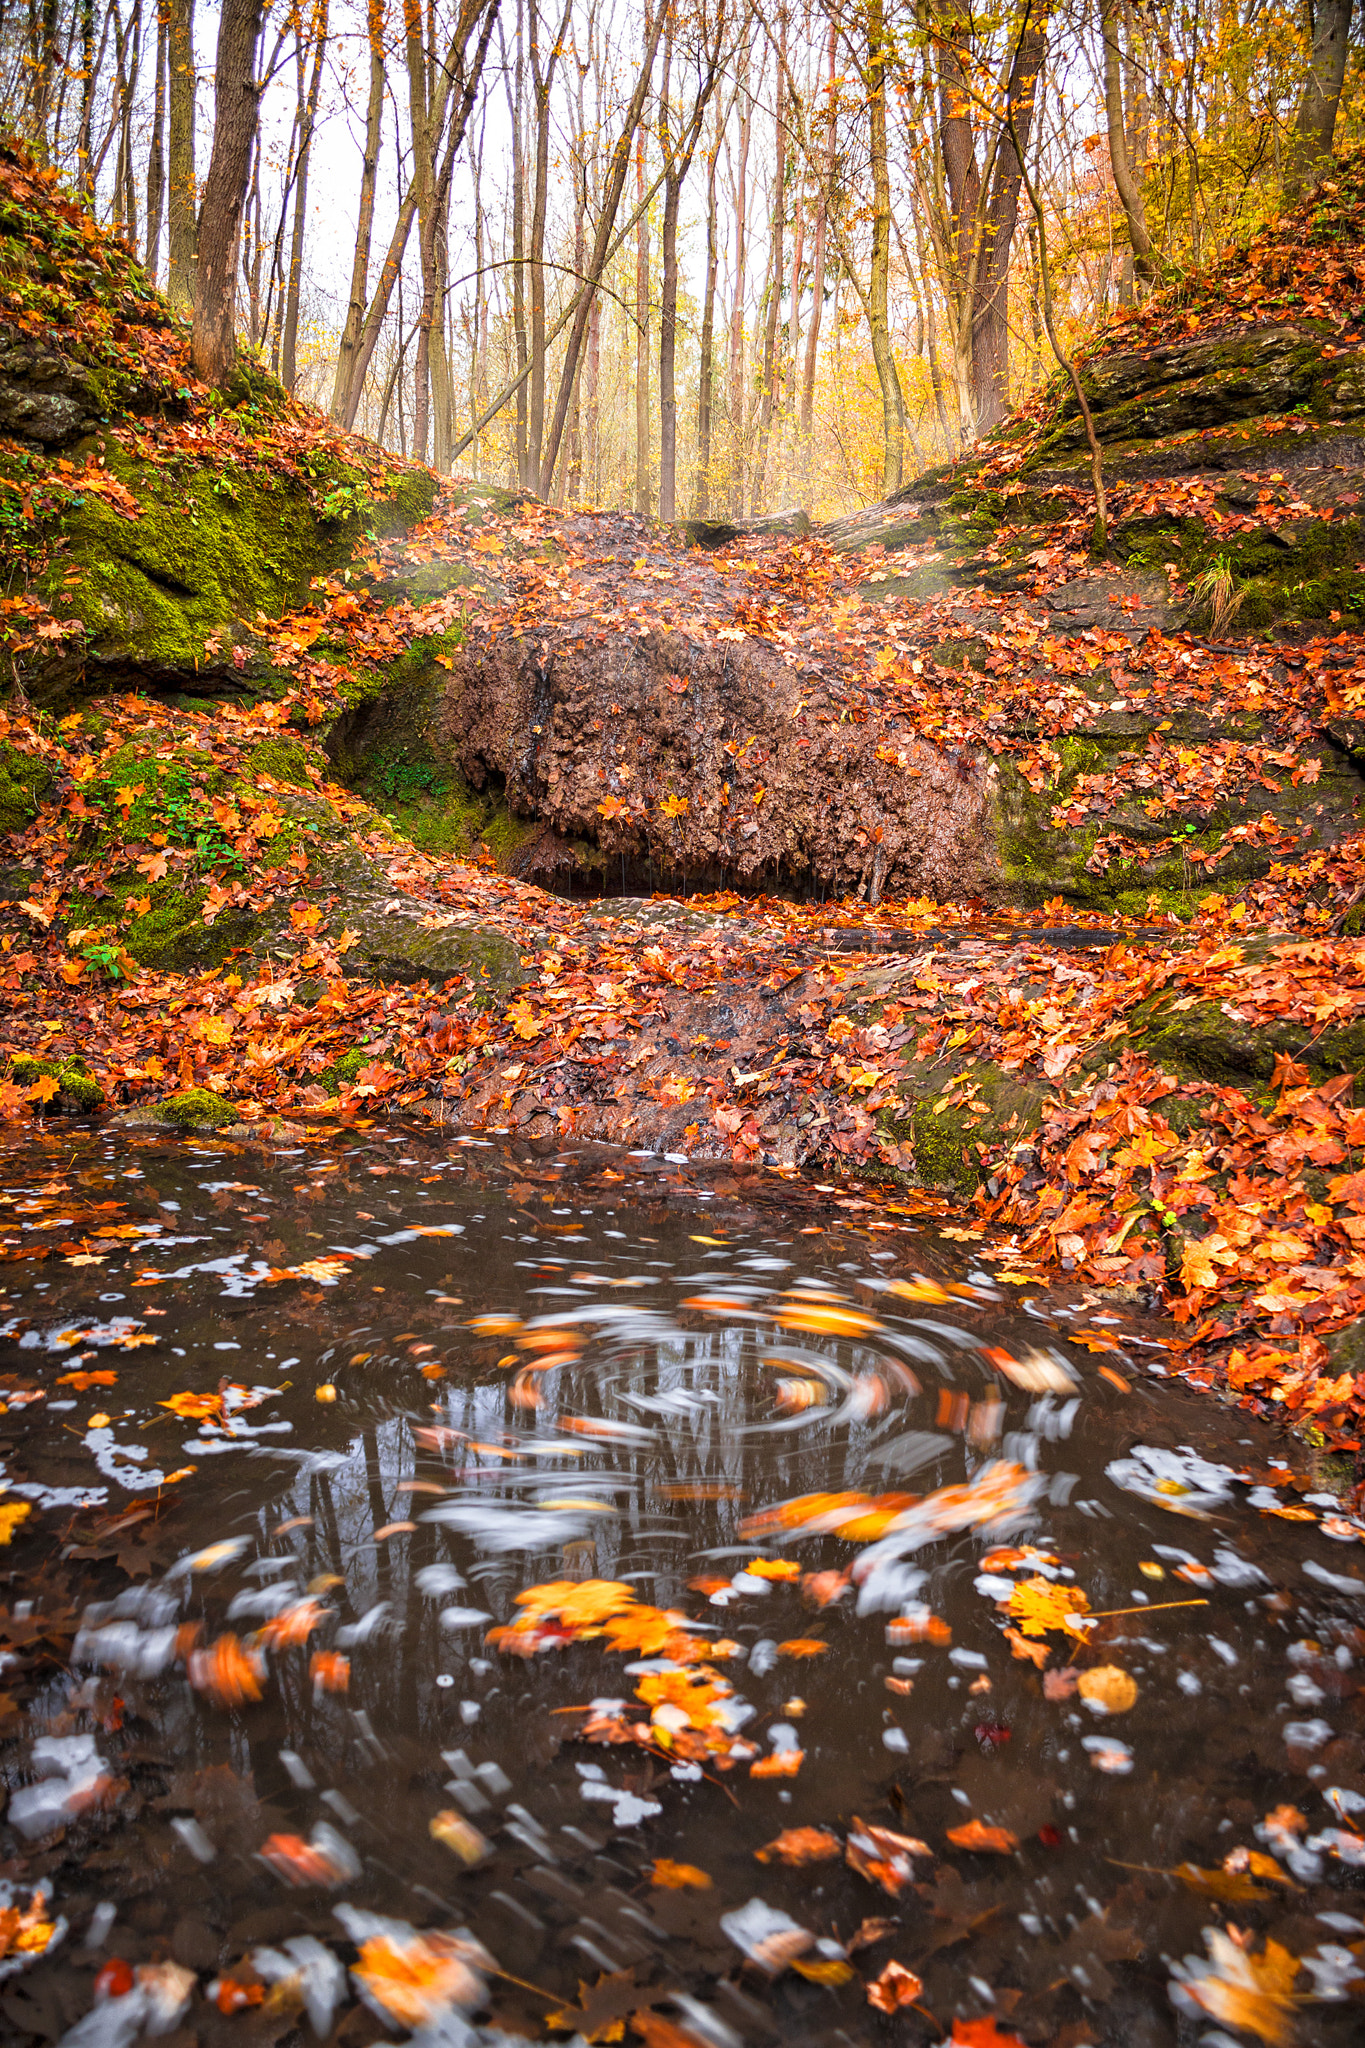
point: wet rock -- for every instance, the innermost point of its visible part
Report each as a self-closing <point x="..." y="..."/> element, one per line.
<point x="78" y="1092"/>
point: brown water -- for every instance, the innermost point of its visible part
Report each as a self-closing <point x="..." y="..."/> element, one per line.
<point x="838" y="1346"/>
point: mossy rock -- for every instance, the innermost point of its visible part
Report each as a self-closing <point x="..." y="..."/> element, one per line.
<point x="348" y="1066"/>
<point x="194" y="1109"/>
<point x="172" y="933"/>
<point x="381" y="748"/>
<point x="946" y="1138"/>
<point x="212" y="551"/>
<point x="24" y="782"/>
<point x="79" y="1094"/>
<point x="1204" y="1043"/>
<point x="284" y="761"/>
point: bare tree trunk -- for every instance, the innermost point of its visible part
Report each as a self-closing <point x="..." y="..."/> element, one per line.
<point x="592" y="399"/>
<point x="613" y="186"/>
<point x="182" y="199"/>
<point x="573" y="479"/>
<point x="1130" y="198"/>
<point x="642" y="492"/>
<point x="1317" y="120"/>
<point x="706" y="379"/>
<point x="156" y="151"/>
<point x="309" y="114"/>
<point x="1100" y="531"/>
<point x="678" y="151"/>
<point x="734" y="383"/>
<point x="349" y="345"/>
<point x="542" y="83"/>
<point x="127" y="54"/>
<point x="234" y="129"/>
<point x="519" y="260"/>
<point x="818" y="262"/>
<point x="43" y="55"/>
<point x="776" y="277"/>
<point x="252" y="250"/>
<point x="85" y="139"/>
<point x="794" y="301"/>
<point x="990" y="318"/>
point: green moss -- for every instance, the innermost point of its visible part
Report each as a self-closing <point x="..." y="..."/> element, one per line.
<point x="80" y="1091"/>
<point x="999" y="1109"/>
<point x="346" y="1068"/>
<point x="282" y="760"/>
<point x="24" y="782"/>
<point x="172" y="933"/>
<point x="382" y="748"/>
<point x="196" y="1109"/>
<point x="1203" y="1043"/>
<point x="212" y="551"/>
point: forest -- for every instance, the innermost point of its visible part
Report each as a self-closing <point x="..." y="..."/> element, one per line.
<point x="705" y="260"/>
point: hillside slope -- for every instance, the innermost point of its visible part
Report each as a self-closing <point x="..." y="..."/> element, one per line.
<point x="1078" y="870"/>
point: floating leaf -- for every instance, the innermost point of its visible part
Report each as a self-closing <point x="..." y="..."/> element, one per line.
<point x="1109" y="1688"/>
<point x="796" y="1846"/>
<point x="678" y="1877"/>
<point x="1039" y="1605"/>
<point x="982" y="1839"/>
<point x="895" y="1987"/>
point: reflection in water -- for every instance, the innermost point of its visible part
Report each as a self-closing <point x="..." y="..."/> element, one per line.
<point x="703" y="1614"/>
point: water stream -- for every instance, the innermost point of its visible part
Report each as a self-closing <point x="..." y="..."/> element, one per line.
<point x="269" y="1778"/>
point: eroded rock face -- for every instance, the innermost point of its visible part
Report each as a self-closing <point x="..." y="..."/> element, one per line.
<point x="599" y="733"/>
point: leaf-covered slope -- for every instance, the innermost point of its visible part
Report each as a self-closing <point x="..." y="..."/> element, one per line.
<point x="156" y="525"/>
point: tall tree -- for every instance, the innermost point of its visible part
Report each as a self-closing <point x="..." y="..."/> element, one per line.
<point x="984" y="197"/>
<point x="308" y="116"/>
<point x="1130" y="198"/>
<point x="613" y="185"/>
<point x="349" y="344"/>
<point x="1317" y="118"/>
<point x="706" y="375"/>
<point x="642" y="491"/>
<point x="542" y="84"/>
<point x="777" y="218"/>
<point x="156" y="148"/>
<point x="182" y="198"/>
<point x="236" y="102"/>
<point x="879" y="322"/>
<point x="734" y="382"/>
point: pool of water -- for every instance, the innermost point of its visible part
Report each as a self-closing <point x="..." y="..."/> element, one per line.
<point x="530" y="1596"/>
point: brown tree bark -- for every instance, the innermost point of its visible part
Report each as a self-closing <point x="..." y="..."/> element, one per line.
<point x="542" y="84"/>
<point x="990" y="317"/>
<point x="879" y="324"/>
<point x="706" y="377"/>
<point x="734" y="383"/>
<point x="818" y="260"/>
<point x="236" y="98"/>
<point x="349" y="346"/>
<point x="777" y="214"/>
<point x="308" y="122"/>
<point x="679" y="151"/>
<point x="642" y="491"/>
<point x="1130" y="198"/>
<point x="613" y="186"/>
<point x="1317" y="119"/>
<point x="182" y="197"/>
<point x="156" y="148"/>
